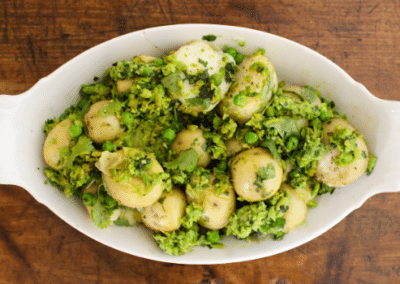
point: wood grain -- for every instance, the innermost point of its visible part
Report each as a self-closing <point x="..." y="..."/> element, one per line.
<point x="38" y="36"/>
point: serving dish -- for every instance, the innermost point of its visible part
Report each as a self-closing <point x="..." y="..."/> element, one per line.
<point x="22" y="137"/>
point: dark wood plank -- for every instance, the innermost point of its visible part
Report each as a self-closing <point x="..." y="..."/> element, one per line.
<point x="38" y="36"/>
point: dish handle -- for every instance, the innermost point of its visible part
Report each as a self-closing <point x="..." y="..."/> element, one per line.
<point x="9" y="173"/>
<point x="391" y="178"/>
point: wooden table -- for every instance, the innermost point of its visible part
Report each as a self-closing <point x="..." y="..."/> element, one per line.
<point x="37" y="36"/>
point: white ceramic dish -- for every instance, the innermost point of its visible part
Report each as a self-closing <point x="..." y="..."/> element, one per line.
<point x="22" y="117"/>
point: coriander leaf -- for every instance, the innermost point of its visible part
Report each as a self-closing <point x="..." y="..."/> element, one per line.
<point x="285" y="126"/>
<point x="309" y="94"/>
<point x="101" y="215"/>
<point x="110" y="109"/>
<point x="170" y="82"/>
<point x="267" y="172"/>
<point x="203" y="62"/>
<point x="122" y="222"/>
<point x="271" y="146"/>
<point x="186" y="161"/>
<point x="82" y="147"/>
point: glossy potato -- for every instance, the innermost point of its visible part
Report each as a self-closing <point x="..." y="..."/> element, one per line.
<point x="200" y="56"/>
<point x="216" y="208"/>
<point x="233" y="146"/>
<point x="100" y="128"/>
<point x="331" y="174"/>
<point x="245" y="167"/>
<point x="129" y="193"/>
<point x="261" y="85"/>
<point x="58" y="138"/>
<point x="297" y="212"/>
<point x="165" y="214"/>
<point x="192" y="138"/>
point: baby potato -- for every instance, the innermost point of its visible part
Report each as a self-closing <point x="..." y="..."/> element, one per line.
<point x="58" y="138"/>
<point x="102" y="129"/>
<point x="199" y="57"/>
<point x="216" y="208"/>
<point x="124" y="85"/>
<point x="305" y="193"/>
<point x="247" y="174"/>
<point x="297" y="212"/>
<point x="233" y="146"/>
<point x="129" y="193"/>
<point x="165" y="214"/>
<point x="298" y="93"/>
<point x="192" y="137"/>
<point x="330" y="173"/>
<point x="255" y="82"/>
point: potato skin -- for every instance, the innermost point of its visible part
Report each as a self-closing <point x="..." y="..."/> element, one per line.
<point x="261" y="83"/>
<point x="216" y="208"/>
<point x="297" y="212"/>
<point x="165" y="216"/>
<point x="102" y="129"/>
<point x="331" y="174"/>
<point x="126" y="192"/>
<point x="233" y="146"/>
<point x="288" y="91"/>
<point x="192" y="138"/>
<point x="244" y="170"/>
<point x="58" y="137"/>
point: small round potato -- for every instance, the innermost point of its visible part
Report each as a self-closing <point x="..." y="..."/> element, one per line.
<point x="102" y="129"/>
<point x="296" y="92"/>
<point x="261" y="85"/>
<point x="124" y="85"/>
<point x="245" y="175"/>
<point x="127" y="193"/>
<point x="58" y="137"/>
<point x="233" y="146"/>
<point x="304" y="193"/>
<point x="192" y="137"/>
<point x="330" y="173"/>
<point x="216" y="208"/>
<point x="165" y="214"/>
<point x="297" y="212"/>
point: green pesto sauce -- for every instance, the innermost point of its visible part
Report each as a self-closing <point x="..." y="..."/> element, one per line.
<point x="154" y="112"/>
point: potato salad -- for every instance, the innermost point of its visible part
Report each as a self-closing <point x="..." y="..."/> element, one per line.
<point x="200" y="144"/>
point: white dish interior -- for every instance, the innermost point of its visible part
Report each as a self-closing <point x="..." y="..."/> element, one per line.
<point x="23" y="116"/>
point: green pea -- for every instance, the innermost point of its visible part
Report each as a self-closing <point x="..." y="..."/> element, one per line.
<point x="213" y="237"/>
<point x="251" y="138"/>
<point x="127" y="118"/>
<point x="316" y="123"/>
<point x="169" y="135"/>
<point x="146" y="72"/>
<point x="292" y="143"/>
<point x="239" y="58"/>
<point x="270" y="112"/>
<point x="108" y="146"/>
<point x="158" y="61"/>
<point x="217" y="78"/>
<point x="231" y="51"/>
<point x="223" y="165"/>
<point x="75" y="130"/>
<point x="325" y="115"/>
<point x="88" y="199"/>
<point x="240" y="100"/>
<point x="347" y="158"/>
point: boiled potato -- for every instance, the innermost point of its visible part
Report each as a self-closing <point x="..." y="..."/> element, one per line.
<point x="124" y="85"/>
<point x="165" y="214"/>
<point x="330" y="173"/>
<point x="192" y="137"/>
<point x="102" y="129"/>
<point x="253" y="85"/>
<point x="233" y="146"/>
<point x="216" y="208"/>
<point x="245" y="170"/>
<point x="297" y="212"/>
<point x="297" y="92"/>
<point x="201" y="56"/>
<point x="58" y="138"/>
<point x="305" y="193"/>
<point x="129" y="193"/>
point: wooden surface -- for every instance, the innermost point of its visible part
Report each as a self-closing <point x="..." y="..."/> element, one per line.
<point x="38" y="36"/>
